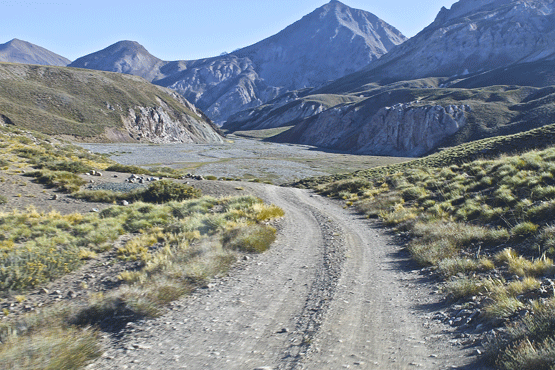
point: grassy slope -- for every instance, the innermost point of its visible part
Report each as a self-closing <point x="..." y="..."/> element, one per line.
<point x="485" y="224"/>
<point x="71" y="101"/>
<point x="485" y="148"/>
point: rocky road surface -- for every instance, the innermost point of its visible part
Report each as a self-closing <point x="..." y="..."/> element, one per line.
<point x="332" y="293"/>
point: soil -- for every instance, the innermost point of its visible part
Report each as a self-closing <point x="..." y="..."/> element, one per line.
<point x="335" y="291"/>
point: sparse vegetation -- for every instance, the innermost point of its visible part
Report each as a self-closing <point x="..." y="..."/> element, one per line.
<point x="486" y="225"/>
<point x="83" y="104"/>
<point x="178" y="242"/>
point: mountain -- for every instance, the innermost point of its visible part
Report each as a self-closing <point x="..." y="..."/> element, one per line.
<point x="18" y="51"/>
<point x="473" y="36"/>
<point x="98" y="106"/>
<point x="123" y="57"/>
<point x="329" y="43"/>
<point x="433" y="90"/>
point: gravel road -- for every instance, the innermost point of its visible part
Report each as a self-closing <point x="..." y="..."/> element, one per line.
<point x="332" y="293"/>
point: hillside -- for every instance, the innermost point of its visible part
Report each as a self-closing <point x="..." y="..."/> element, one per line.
<point x="292" y="59"/>
<point x="97" y="106"/>
<point x="481" y="223"/>
<point x="18" y="51"/>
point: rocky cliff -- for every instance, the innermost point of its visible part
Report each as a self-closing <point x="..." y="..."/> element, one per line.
<point x="18" y="51"/>
<point x="160" y="124"/>
<point x="401" y="130"/>
<point x="331" y="42"/>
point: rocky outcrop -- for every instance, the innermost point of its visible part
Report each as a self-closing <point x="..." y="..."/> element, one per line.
<point x="329" y="43"/>
<point x="410" y="131"/>
<point x="18" y="51"/>
<point x="271" y="116"/>
<point x="156" y="125"/>
<point x="401" y="130"/>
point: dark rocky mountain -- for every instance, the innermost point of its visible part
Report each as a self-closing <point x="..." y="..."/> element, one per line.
<point x="329" y="43"/>
<point x="18" y="51"/>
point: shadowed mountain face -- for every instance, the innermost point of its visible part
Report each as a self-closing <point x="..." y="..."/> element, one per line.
<point x="329" y="43"/>
<point x="18" y="51"/>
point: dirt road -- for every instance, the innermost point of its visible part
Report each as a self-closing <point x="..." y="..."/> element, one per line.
<point x="332" y="293"/>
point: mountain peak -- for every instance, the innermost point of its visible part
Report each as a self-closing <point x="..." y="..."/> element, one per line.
<point x="474" y="36"/>
<point x="348" y="38"/>
<point x="20" y="51"/>
<point x="124" y="57"/>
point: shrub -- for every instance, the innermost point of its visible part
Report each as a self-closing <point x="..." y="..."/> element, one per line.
<point x="463" y="287"/>
<point x="127" y="168"/>
<point x="68" y="166"/>
<point x="414" y="193"/>
<point x="167" y="190"/>
<point x="50" y="348"/>
<point x="252" y="239"/>
<point x="65" y="181"/>
<point x="524" y="229"/>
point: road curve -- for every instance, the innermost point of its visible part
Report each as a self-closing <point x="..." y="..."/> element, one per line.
<point x="328" y="295"/>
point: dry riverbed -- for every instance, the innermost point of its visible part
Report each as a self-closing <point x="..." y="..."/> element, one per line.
<point x="243" y="159"/>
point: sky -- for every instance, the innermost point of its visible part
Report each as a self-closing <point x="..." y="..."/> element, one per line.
<point x="181" y="30"/>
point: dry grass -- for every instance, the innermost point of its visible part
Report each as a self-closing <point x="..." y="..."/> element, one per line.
<point x="485" y="225"/>
<point x="177" y="243"/>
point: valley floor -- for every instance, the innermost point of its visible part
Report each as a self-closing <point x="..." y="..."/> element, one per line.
<point x="243" y="159"/>
<point x="333" y="292"/>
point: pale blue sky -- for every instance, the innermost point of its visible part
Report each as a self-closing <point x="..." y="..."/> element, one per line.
<point x="187" y="29"/>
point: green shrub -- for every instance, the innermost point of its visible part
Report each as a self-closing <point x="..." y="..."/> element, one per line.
<point x="414" y="193"/>
<point x="129" y="169"/>
<point x="252" y="239"/>
<point x="524" y="229"/>
<point x="63" y="180"/>
<point x="167" y="190"/>
<point x="68" y="166"/>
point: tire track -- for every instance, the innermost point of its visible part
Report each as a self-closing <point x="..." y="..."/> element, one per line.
<point x="320" y="295"/>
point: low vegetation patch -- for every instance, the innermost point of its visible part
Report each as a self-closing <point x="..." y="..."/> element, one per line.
<point x="176" y="241"/>
<point x="176" y="247"/>
<point x="486" y="226"/>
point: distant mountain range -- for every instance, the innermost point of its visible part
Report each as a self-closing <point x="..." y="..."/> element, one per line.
<point x="329" y="43"/>
<point x="18" y="51"/>
<point x="346" y="80"/>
